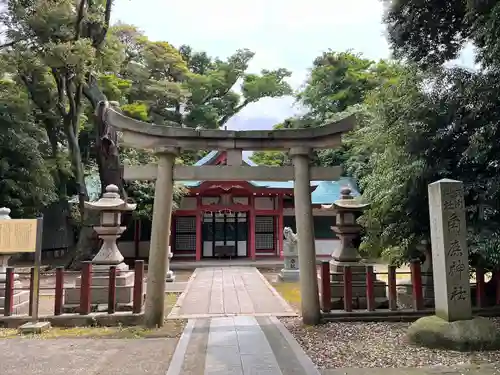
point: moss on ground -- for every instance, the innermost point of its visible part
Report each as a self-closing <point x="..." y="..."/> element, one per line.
<point x="171" y="328"/>
<point x="463" y="335"/>
<point x="290" y="293"/>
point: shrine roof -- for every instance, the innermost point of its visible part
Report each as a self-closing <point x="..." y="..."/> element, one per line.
<point x="326" y="192"/>
<point x="212" y="155"/>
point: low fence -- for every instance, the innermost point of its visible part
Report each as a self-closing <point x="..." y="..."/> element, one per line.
<point x="14" y="310"/>
<point x="347" y="307"/>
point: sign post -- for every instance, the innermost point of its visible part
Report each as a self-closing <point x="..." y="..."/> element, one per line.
<point x="35" y="297"/>
<point x="25" y="236"/>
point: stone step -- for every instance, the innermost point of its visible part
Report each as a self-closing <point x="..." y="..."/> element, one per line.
<point x="19" y="309"/>
<point x="125" y="278"/>
<point x="19" y="298"/>
<point x="17" y="286"/>
<point x="124" y="295"/>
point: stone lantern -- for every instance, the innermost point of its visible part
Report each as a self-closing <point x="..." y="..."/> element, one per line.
<point x="346" y="254"/>
<point x="111" y="208"/>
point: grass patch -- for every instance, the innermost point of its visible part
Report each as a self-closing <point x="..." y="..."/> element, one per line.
<point x="171" y="329"/>
<point x="290" y="293"/>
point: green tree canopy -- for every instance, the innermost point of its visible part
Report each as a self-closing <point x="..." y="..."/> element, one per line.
<point x="26" y="183"/>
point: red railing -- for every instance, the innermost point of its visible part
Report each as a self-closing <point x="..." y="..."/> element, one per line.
<point x="85" y="304"/>
<point x="348" y="303"/>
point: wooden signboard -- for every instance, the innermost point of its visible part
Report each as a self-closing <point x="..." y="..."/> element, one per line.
<point x="19" y="236"/>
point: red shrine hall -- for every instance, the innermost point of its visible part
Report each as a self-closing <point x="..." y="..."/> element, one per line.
<point x="238" y="219"/>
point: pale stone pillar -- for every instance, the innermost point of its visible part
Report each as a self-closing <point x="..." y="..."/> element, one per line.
<point x="158" y="263"/>
<point x="305" y="233"/>
<point x="450" y="258"/>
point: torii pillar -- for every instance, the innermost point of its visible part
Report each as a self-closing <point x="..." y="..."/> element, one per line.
<point x="305" y="232"/>
<point x="160" y="238"/>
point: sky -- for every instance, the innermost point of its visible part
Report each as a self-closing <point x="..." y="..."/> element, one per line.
<point x="285" y="33"/>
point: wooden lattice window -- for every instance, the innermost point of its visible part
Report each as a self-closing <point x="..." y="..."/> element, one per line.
<point x="185" y="233"/>
<point x="264" y="233"/>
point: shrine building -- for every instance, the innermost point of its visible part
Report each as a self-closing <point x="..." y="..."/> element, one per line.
<point x="238" y="219"/>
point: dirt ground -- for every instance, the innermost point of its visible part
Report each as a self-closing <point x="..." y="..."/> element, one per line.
<point x="171" y="328"/>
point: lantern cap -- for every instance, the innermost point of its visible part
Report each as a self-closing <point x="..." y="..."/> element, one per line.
<point x="346" y="202"/>
<point x="111" y="201"/>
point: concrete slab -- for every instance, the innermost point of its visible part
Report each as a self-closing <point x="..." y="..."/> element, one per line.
<point x="32" y="328"/>
<point x="229" y="291"/>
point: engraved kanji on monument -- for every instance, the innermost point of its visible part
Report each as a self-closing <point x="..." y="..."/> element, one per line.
<point x="450" y="257"/>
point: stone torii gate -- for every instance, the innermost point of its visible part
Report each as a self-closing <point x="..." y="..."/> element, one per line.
<point x="167" y="142"/>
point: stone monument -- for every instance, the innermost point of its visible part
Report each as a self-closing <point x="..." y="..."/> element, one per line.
<point x="111" y="208"/>
<point x="290" y="271"/>
<point x="449" y="250"/>
<point x="21" y="297"/>
<point x="347" y="254"/>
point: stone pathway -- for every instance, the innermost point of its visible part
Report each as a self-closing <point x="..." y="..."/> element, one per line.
<point x="239" y="345"/>
<point x="228" y="291"/>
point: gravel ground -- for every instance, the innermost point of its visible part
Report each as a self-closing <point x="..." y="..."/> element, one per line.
<point x="370" y="345"/>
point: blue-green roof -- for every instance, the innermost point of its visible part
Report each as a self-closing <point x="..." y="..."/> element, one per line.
<point x="326" y="192"/>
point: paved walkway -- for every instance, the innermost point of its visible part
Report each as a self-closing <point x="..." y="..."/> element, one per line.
<point x="228" y="291"/>
<point x="239" y="345"/>
<point x="80" y="356"/>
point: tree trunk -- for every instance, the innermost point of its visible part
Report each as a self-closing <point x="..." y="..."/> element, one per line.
<point x="108" y="157"/>
<point x="76" y="161"/>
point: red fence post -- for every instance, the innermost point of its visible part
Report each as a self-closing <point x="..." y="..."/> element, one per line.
<point x="370" y="289"/>
<point x="347" y="288"/>
<point x="138" y="286"/>
<point x="58" y="300"/>
<point x="391" y="281"/>
<point x="85" y="288"/>
<point x="112" y="290"/>
<point x="480" y="287"/>
<point x="326" y="291"/>
<point x="416" y="282"/>
<point x="32" y="286"/>
<point x="9" y="292"/>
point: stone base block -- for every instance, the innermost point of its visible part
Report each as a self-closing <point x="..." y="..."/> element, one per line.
<point x="289" y="275"/>
<point x="463" y="335"/>
<point x="359" y="294"/>
<point x="21" y="302"/>
<point x="99" y="292"/>
<point x="34" y="328"/>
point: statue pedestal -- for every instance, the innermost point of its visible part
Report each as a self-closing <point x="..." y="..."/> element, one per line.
<point x="291" y="270"/>
<point x="288" y="275"/>
<point x="99" y="289"/>
<point x="359" y="300"/>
